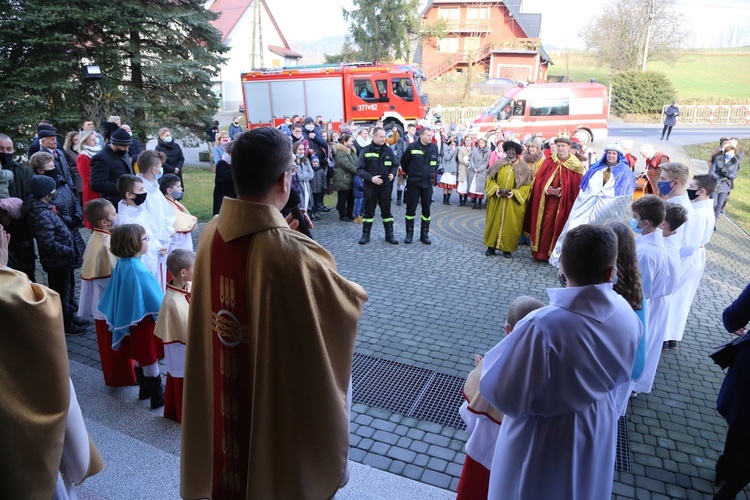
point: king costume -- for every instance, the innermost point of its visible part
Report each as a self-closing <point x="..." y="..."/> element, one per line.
<point x="555" y="379"/>
<point x="47" y="449"/>
<point x="98" y="263"/>
<point x="505" y="215"/>
<point x="265" y="410"/>
<point x="605" y="194"/>
<point x="547" y="214"/>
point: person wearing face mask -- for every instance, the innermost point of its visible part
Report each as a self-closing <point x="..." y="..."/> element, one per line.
<point x="156" y="204"/>
<point x="235" y="128"/>
<point x="673" y="182"/>
<point x="654" y="162"/>
<point x="132" y="211"/>
<point x="175" y="158"/>
<point x="220" y="145"/>
<point x="605" y="194"/>
<point x="316" y="143"/>
<point x="135" y="149"/>
<point x="48" y="144"/>
<point x="21" y="247"/>
<point x="184" y="222"/>
<point x="87" y="146"/>
<point x="556" y="378"/>
<point x="109" y="164"/>
<point x="653" y="262"/>
<point x="57" y="250"/>
<point x="724" y="169"/>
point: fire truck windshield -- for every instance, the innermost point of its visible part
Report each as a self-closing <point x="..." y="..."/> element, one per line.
<point x="420" y="90"/>
<point x="498" y="106"/>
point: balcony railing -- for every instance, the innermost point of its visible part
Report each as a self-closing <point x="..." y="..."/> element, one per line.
<point x="468" y="25"/>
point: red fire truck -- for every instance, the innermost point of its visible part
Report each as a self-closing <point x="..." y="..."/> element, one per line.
<point x="362" y="92"/>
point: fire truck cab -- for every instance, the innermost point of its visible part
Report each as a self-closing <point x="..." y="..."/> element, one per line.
<point x="362" y="92"/>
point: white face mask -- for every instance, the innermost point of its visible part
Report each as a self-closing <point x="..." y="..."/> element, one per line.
<point x="309" y="128"/>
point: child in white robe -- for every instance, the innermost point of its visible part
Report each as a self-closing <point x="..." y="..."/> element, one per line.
<point x="184" y="222"/>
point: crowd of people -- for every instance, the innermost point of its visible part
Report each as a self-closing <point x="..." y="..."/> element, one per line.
<point x="137" y="284"/>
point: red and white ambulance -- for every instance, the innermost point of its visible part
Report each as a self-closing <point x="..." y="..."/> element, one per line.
<point x="363" y="92"/>
<point x="552" y="109"/>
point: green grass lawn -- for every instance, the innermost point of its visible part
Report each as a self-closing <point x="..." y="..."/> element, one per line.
<point x="738" y="207"/>
<point x="199" y="191"/>
<point x="700" y="77"/>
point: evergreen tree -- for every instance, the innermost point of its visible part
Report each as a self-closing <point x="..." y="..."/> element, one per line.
<point x="382" y="29"/>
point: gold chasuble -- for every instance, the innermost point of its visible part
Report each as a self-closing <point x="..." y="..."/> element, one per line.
<point x="505" y="215"/>
<point x="269" y="357"/>
<point x="35" y="391"/>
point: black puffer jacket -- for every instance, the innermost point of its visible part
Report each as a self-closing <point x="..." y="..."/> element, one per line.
<point x="53" y="238"/>
<point x="175" y="158"/>
<point x="69" y="210"/>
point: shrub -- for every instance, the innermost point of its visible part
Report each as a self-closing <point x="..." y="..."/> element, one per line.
<point x="635" y="92"/>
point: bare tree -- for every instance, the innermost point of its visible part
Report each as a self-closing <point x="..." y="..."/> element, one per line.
<point x="618" y="34"/>
<point x="476" y="30"/>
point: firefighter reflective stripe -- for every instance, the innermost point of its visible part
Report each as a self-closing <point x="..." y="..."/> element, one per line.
<point x="387" y="163"/>
<point x="425" y="218"/>
<point x="367" y="220"/>
<point x="390" y="219"/>
<point x="372" y="155"/>
<point x="409" y="217"/>
<point x="417" y="152"/>
<point x="433" y="163"/>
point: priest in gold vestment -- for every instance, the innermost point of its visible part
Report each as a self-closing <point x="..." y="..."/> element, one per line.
<point x="270" y="343"/>
<point x="507" y="191"/>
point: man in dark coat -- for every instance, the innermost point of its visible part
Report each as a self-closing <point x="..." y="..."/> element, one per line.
<point x="670" y="119"/>
<point x="109" y="164"/>
<point x="34" y="147"/>
<point x="377" y="166"/>
<point x="21" y="248"/>
<point x="420" y="162"/>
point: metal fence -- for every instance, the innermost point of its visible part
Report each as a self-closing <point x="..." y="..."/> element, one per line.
<point x="462" y="115"/>
<point x="705" y="114"/>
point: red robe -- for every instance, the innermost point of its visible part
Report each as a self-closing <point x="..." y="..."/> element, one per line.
<point x="547" y="215"/>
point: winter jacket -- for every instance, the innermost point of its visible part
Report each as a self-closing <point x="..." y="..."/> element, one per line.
<point x="724" y="172"/>
<point x="318" y="182"/>
<point x="135" y="150"/>
<point x="420" y="162"/>
<point x="346" y="168"/>
<point x="358" y="187"/>
<point x="175" y="158"/>
<point x="479" y="160"/>
<point x="450" y="160"/>
<point x="106" y="167"/>
<point x="464" y="158"/>
<point x="234" y="130"/>
<point x="21" y="185"/>
<point x="377" y="161"/>
<point x="671" y="113"/>
<point x="53" y="238"/>
<point x="317" y="145"/>
<point x="223" y="184"/>
<point x="69" y="210"/>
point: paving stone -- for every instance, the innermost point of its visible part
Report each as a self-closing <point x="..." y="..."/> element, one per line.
<point x="413" y="472"/>
<point x="623" y="490"/>
<point x="356" y="454"/>
<point x="379" y="448"/>
<point x="440" y="452"/>
<point x="421" y="460"/>
<point x="396" y="467"/>
<point x="650" y="484"/>
<point x="377" y="460"/>
<point x="403" y="454"/>
<point x="419" y="446"/>
<point x="383" y="425"/>
<point x="436" y="439"/>
<point x="385" y="437"/>
<point x="436" y="479"/>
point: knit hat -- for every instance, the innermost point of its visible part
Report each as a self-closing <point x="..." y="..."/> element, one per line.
<point x="314" y="158"/>
<point x="41" y="186"/>
<point x="46" y="133"/>
<point x="309" y="119"/>
<point x="120" y="138"/>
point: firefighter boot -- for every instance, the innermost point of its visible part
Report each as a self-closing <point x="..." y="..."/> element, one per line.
<point x="424" y="235"/>
<point x="409" y="231"/>
<point x="399" y="195"/>
<point x="366" y="226"/>
<point x="388" y="227"/>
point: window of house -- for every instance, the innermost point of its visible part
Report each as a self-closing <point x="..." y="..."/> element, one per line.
<point x="446" y="14"/>
<point x="478" y="13"/>
<point x="550" y="107"/>
<point x="363" y="89"/>
<point x="402" y="88"/>
<point x="448" y="45"/>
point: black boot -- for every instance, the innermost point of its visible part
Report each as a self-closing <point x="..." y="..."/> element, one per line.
<point x="388" y="226"/>
<point x="489" y="252"/>
<point x="424" y="235"/>
<point x="78" y="321"/>
<point x="144" y="392"/>
<point x="409" y="231"/>
<point x="366" y="227"/>
<point x="399" y="196"/>
<point x="479" y="204"/>
<point x="448" y="199"/>
<point x="463" y="202"/>
<point x="445" y="199"/>
<point x="473" y="203"/>
<point x="156" y="388"/>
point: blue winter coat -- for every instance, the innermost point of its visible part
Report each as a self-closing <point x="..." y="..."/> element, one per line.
<point x="671" y="116"/>
<point x="733" y="403"/>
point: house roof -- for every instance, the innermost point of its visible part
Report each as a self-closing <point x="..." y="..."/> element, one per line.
<point x="231" y="11"/>
<point x="284" y="52"/>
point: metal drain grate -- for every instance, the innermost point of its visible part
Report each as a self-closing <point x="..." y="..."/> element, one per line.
<point x="622" y="458"/>
<point x="408" y="390"/>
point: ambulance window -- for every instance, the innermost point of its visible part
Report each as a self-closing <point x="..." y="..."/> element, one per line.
<point x="363" y="89"/>
<point x="519" y="107"/>
<point x="402" y="88"/>
<point x="550" y="107"/>
<point x="382" y="88"/>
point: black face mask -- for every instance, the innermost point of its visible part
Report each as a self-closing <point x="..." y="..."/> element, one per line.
<point x="692" y="194"/>
<point x="139" y="198"/>
<point x="120" y="152"/>
<point x="6" y="159"/>
<point x="52" y="173"/>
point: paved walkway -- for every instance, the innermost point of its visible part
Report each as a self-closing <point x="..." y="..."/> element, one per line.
<point x="434" y="307"/>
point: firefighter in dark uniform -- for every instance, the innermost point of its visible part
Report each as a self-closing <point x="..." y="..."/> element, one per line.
<point x="378" y="167"/>
<point x="420" y="162"/>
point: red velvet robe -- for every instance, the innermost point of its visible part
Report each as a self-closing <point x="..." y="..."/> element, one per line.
<point x="547" y="215"/>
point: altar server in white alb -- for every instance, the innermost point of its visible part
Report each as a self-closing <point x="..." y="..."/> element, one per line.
<point x="156" y="204"/>
<point x="556" y="376"/>
<point x="653" y="262"/>
<point x="694" y="235"/>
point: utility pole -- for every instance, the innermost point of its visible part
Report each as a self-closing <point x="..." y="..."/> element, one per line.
<point x="648" y="33"/>
<point x="257" y="49"/>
